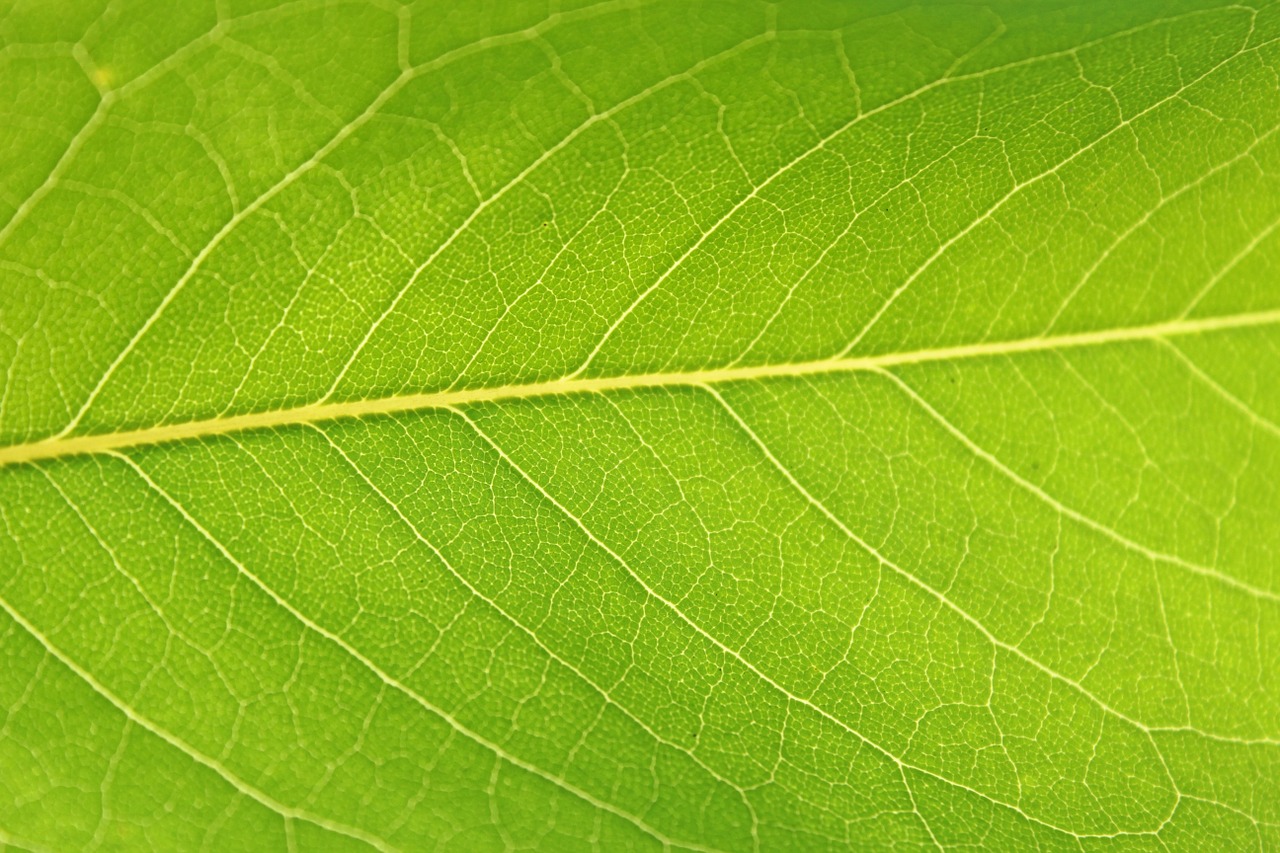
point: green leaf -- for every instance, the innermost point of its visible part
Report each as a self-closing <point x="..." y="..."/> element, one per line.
<point x="639" y="425"/>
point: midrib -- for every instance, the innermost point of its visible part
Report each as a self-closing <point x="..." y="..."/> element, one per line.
<point x="317" y="412"/>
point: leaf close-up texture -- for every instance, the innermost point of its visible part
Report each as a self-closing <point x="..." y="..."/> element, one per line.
<point x="632" y="425"/>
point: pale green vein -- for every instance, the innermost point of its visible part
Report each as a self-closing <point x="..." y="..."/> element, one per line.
<point x="986" y="215"/>
<point x="391" y="681"/>
<point x="524" y="629"/>
<point x="1254" y="417"/>
<point x="337" y="139"/>
<point x="729" y="677"/>
<point x="826" y="140"/>
<point x="243" y="787"/>
<point x="591" y="121"/>
<point x="7" y="839"/>
<point x="751" y="667"/>
<point x="936" y="594"/>
<point x="1075" y="515"/>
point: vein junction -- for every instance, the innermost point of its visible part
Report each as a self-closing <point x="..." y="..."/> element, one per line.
<point x="60" y="447"/>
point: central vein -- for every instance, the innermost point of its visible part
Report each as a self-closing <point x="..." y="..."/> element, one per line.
<point x="54" y="448"/>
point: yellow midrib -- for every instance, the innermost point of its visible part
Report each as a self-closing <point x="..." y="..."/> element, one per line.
<point x="317" y="412"/>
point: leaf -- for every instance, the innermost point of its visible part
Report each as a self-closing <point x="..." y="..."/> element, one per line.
<point x="643" y="425"/>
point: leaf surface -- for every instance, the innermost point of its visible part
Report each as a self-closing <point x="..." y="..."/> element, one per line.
<point x="640" y="425"/>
